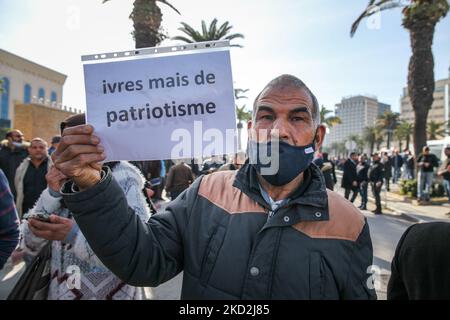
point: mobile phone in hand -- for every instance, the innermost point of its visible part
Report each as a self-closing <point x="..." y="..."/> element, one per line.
<point x="41" y="216"/>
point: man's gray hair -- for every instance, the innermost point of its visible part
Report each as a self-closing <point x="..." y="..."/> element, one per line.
<point x="287" y="80"/>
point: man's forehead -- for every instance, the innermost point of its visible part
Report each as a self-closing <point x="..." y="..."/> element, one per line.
<point x="286" y="95"/>
<point x="38" y="144"/>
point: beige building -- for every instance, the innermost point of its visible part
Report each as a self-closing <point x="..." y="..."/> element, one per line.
<point x="440" y="108"/>
<point x="356" y="113"/>
<point x="37" y="120"/>
<point x="25" y="82"/>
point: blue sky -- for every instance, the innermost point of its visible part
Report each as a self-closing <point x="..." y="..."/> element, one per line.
<point x="307" y="38"/>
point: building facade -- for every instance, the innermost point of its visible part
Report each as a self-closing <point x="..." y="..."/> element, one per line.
<point x="440" y="108"/>
<point x="356" y="113"/>
<point x="26" y="82"/>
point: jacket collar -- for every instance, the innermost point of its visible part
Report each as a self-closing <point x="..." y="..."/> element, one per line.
<point x="307" y="204"/>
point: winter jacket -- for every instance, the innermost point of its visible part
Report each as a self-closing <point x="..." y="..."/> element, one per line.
<point x="376" y="172"/>
<point x="18" y="182"/>
<point x="349" y="175"/>
<point x="431" y="159"/>
<point x="316" y="246"/>
<point x="9" y="222"/>
<point x="10" y="161"/>
<point x="421" y="264"/>
<point x="97" y="281"/>
<point x="362" y="170"/>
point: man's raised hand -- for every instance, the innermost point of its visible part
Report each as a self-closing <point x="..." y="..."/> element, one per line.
<point x="78" y="156"/>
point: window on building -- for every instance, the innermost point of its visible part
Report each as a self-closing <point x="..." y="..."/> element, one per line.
<point x="4" y="105"/>
<point x="53" y="97"/>
<point x="41" y="93"/>
<point x="27" y="94"/>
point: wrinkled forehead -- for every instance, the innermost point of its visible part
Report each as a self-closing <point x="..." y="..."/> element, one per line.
<point x="288" y="95"/>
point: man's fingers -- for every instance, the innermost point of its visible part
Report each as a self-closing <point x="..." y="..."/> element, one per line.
<point x="57" y="219"/>
<point x="44" y="226"/>
<point x="74" y="140"/>
<point x="73" y="167"/>
<point x="41" y="233"/>
<point x="78" y="130"/>
<point x="74" y="151"/>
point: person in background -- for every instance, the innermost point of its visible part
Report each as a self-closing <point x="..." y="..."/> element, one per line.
<point x="212" y="164"/>
<point x="327" y="162"/>
<point x="195" y="167"/>
<point x="12" y="153"/>
<point x="376" y="176"/>
<point x="387" y="169"/>
<point x="362" y="171"/>
<point x="426" y="162"/>
<point x="421" y="264"/>
<point x="55" y="143"/>
<point x="349" y="177"/>
<point x="409" y="164"/>
<point x="235" y="162"/>
<point x="327" y="171"/>
<point x="397" y="163"/>
<point x="180" y="177"/>
<point x="444" y="172"/>
<point x="9" y="222"/>
<point x="30" y="176"/>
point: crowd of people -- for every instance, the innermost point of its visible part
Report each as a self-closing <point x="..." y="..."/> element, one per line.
<point x="359" y="172"/>
<point x="237" y="231"/>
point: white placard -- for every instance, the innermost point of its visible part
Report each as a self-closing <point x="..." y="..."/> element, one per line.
<point x="163" y="107"/>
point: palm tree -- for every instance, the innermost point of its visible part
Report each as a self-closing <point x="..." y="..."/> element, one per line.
<point x="419" y="18"/>
<point x="242" y="114"/>
<point x="210" y="33"/>
<point x="403" y="132"/>
<point x="435" y="129"/>
<point x="388" y="121"/>
<point x="370" y="137"/>
<point x="147" y="17"/>
<point x="354" y="138"/>
<point x="329" y="121"/>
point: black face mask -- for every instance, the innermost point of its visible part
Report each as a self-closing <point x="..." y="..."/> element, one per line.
<point x="292" y="160"/>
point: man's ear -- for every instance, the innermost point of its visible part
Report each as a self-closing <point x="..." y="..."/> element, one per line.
<point x="320" y="136"/>
<point x="249" y="124"/>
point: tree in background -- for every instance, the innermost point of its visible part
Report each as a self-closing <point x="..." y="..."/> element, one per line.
<point x="147" y="18"/>
<point x="403" y="132"/>
<point x="329" y="121"/>
<point x="242" y="114"/>
<point x="435" y="130"/>
<point x="419" y="18"/>
<point x="388" y="121"/>
<point x="210" y="33"/>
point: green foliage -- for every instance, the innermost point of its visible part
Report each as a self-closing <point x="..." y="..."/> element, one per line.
<point x="208" y="33"/>
<point x="408" y="188"/>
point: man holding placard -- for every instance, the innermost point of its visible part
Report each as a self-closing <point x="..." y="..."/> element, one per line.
<point x="255" y="233"/>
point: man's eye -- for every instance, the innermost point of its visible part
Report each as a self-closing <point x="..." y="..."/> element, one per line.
<point x="297" y="119"/>
<point x="266" y="117"/>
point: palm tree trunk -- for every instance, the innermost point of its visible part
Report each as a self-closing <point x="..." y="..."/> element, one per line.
<point x="421" y="79"/>
<point x="408" y="137"/>
<point x="147" y="19"/>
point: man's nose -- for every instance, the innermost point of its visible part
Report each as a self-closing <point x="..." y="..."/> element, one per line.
<point x="280" y="130"/>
